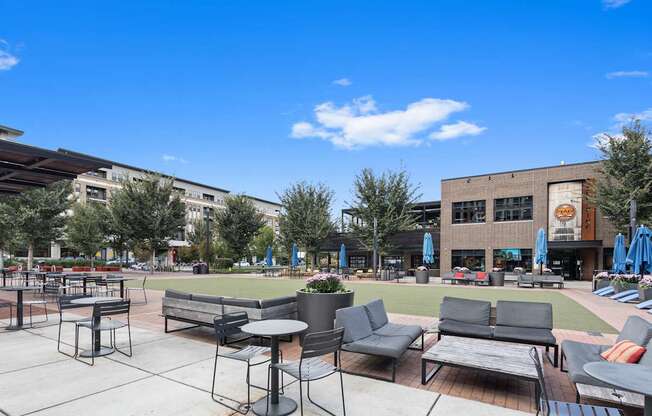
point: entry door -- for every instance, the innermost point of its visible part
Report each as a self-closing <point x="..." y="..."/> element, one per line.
<point x="566" y="263"/>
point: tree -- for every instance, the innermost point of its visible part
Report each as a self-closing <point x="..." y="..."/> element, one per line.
<point x="305" y="216"/>
<point x="7" y="233"/>
<point x="148" y="213"/>
<point x="39" y="215"/>
<point x="237" y="224"/>
<point x="197" y="238"/>
<point x="87" y="228"/>
<point x="388" y="198"/>
<point x="262" y="240"/>
<point x="625" y="174"/>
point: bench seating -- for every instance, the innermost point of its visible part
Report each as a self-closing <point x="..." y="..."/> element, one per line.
<point x="520" y="322"/>
<point x="477" y="278"/>
<point x="367" y="330"/>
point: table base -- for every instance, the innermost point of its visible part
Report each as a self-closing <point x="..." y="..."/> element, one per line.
<point x="15" y="327"/>
<point x="284" y="407"/>
<point x="94" y="353"/>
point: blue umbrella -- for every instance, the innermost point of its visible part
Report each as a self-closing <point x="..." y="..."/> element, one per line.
<point x="268" y="256"/>
<point x="542" y="248"/>
<point x="640" y="251"/>
<point x="619" y="254"/>
<point x="428" y="249"/>
<point x="343" y="256"/>
<point x="294" y="261"/>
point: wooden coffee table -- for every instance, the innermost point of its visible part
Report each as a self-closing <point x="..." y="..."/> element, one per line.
<point x="486" y="356"/>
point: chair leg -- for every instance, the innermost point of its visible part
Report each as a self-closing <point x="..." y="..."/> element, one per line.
<point x="267" y="398"/>
<point x="342" y="388"/>
<point x="301" y="396"/>
<point x="556" y="352"/>
<point x="317" y="404"/>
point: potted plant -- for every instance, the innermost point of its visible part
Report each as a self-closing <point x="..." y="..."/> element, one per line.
<point x="601" y="280"/>
<point x="645" y="288"/>
<point x="421" y="275"/>
<point x="317" y="302"/>
<point x="622" y="282"/>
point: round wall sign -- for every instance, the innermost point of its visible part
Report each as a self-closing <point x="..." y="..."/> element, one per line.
<point x="565" y="212"/>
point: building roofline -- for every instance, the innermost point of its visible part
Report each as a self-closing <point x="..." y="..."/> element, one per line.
<point x="124" y="165"/>
<point x="11" y="130"/>
<point x="416" y="204"/>
<point x="522" y="170"/>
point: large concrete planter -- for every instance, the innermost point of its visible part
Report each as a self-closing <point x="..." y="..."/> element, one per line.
<point x="318" y="309"/>
<point x="421" y="276"/>
<point x="624" y="286"/>
<point x="497" y="278"/>
<point x="644" y="294"/>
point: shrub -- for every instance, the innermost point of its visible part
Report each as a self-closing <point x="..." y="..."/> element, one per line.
<point x="325" y="283"/>
<point x="222" y="263"/>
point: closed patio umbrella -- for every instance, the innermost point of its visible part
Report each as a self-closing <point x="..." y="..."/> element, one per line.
<point x="294" y="260"/>
<point x="428" y="249"/>
<point x="343" y="263"/>
<point x="640" y="252"/>
<point x="268" y="256"/>
<point x="619" y="254"/>
<point x="542" y="249"/>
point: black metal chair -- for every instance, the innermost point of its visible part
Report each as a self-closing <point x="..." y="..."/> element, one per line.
<point x="228" y="326"/>
<point x="311" y="367"/>
<point x="138" y="289"/>
<point x="7" y="304"/>
<point x="547" y="407"/>
<point x="50" y="291"/>
<point x="106" y="309"/>
<point x="64" y="303"/>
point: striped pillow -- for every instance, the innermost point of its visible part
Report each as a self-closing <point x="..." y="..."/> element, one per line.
<point x="625" y="352"/>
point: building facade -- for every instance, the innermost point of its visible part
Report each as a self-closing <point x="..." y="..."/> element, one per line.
<point x="490" y="221"/>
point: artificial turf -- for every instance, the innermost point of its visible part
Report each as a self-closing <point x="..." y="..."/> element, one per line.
<point x="398" y="298"/>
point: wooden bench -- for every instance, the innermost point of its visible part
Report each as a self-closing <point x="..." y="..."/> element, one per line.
<point x="609" y="395"/>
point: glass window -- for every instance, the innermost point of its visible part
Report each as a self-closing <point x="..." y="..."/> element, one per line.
<point x="468" y="212"/>
<point x="607" y="258"/>
<point x="513" y="209"/>
<point x="96" y="193"/>
<point x="508" y="258"/>
<point x="208" y="197"/>
<point x="471" y="259"/>
<point x="358" y="262"/>
<point x="40" y="250"/>
<point x="395" y="262"/>
<point x="417" y="260"/>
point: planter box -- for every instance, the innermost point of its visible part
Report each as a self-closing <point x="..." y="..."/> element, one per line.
<point x="644" y="294"/>
<point x="422" y="276"/>
<point x="497" y="278"/>
<point x="600" y="283"/>
<point x="624" y="286"/>
<point x="318" y="309"/>
<point x="81" y="269"/>
<point x="107" y="269"/>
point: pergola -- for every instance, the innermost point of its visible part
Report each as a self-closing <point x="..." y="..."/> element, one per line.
<point x="24" y="167"/>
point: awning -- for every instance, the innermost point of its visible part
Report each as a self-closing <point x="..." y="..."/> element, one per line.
<point x="575" y="244"/>
<point x="24" y="167"/>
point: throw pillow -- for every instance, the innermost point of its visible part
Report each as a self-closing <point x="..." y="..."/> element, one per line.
<point x="625" y="352"/>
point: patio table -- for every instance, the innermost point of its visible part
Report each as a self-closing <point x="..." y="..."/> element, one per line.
<point x="19" y="302"/>
<point x="631" y="377"/>
<point x="274" y="328"/>
<point x="98" y="350"/>
<point x="120" y="280"/>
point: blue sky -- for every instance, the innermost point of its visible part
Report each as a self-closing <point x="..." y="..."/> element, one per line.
<point x="251" y="96"/>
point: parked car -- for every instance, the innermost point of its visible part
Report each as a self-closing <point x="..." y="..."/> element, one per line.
<point x="260" y="263"/>
<point x="242" y="263"/>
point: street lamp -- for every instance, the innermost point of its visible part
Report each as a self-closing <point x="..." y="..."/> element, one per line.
<point x="207" y="220"/>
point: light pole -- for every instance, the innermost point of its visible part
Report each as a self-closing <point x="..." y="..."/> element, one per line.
<point x="375" y="247"/>
<point x="632" y="220"/>
<point x="207" y="220"/>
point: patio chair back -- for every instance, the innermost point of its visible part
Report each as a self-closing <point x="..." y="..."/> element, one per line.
<point x="544" y="408"/>
<point x="111" y="308"/>
<point x="317" y="344"/>
<point x="65" y="302"/>
<point x="51" y="289"/>
<point x="228" y="325"/>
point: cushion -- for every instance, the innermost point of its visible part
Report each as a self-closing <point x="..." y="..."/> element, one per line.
<point x="637" y="330"/>
<point x="355" y="322"/>
<point x="465" y="310"/>
<point x="242" y="302"/>
<point x="524" y="314"/>
<point x="394" y="330"/>
<point x="283" y="300"/>
<point x="459" y="275"/>
<point x="525" y="335"/>
<point x="376" y="312"/>
<point x="646" y="359"/>
<point x="465" y="329"/>
<point x="481" y="276"/>
<point x="624" y="352"/>
<point x="207" y="299"/>
<point x="392" y="347"/>
<point x="177" y="294"/>
<point x="577" y="354"/>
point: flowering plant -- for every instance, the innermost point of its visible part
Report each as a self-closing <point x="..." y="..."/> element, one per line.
<point x="422" y="268"/>
<point x="324" y="283"/>
<point x="622" y="280"/>
<point x="645" y="282"/>
<point x="602" y="275"/>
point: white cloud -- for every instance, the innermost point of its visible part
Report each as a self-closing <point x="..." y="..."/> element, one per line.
<point x="627" y="74"/>
<point x="170" y="158"/>
<point x="7" y="60"/>
<point x="614" y="4"/>
<point x="360" y="123"/>
<point x="459" y="129"/>
<point x="623" y="118"/>
<point x="342" y="82"/>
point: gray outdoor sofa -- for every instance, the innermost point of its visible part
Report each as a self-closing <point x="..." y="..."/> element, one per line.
<point x="200" y="310"/>
<point x="576" y="354"/>
<point x="519" y="322"/>
<point x="367" y="330"/>
<point x="540" y="280"/>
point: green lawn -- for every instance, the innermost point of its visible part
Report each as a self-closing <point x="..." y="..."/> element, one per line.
<point x="411" y="300"/>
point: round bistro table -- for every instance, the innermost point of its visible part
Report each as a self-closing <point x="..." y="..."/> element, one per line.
<point x="631" y="377"/>
<point x="19" y="302"/>
<point x="274" y="328"/>
<point x="98" y="350"/>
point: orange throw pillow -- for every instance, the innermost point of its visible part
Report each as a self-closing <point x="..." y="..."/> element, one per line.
<point x="625" y="352"/>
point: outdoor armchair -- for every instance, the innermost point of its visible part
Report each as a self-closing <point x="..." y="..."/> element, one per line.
<point x="64" y="303"/>
<point x="106" y="309"/>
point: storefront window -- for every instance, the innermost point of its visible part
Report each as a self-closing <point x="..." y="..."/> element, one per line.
<point x="471" y="259"/>
<point x="507" y="259"/>
<point x="417" y="260"/>
<point x="358" y="262"/>
<point x="395" y="262"/>
<point x="608" y="259"/>
<point x="513" y="209"/>
<point x="468" y="212"/>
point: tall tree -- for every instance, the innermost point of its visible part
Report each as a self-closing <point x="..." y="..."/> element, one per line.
<point x="87" y="228"/>
<point x="197" y="237"/>
<point x="306" y="216"/>
<point x="388" y="198"/>
<point x="7" y="232"/>
<point x="263" y="239"/>
<point x="148" y="213"/>
<point x="39" y="215"/>
<point x="237" y="224"/>
<point x="625" y="174"/>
